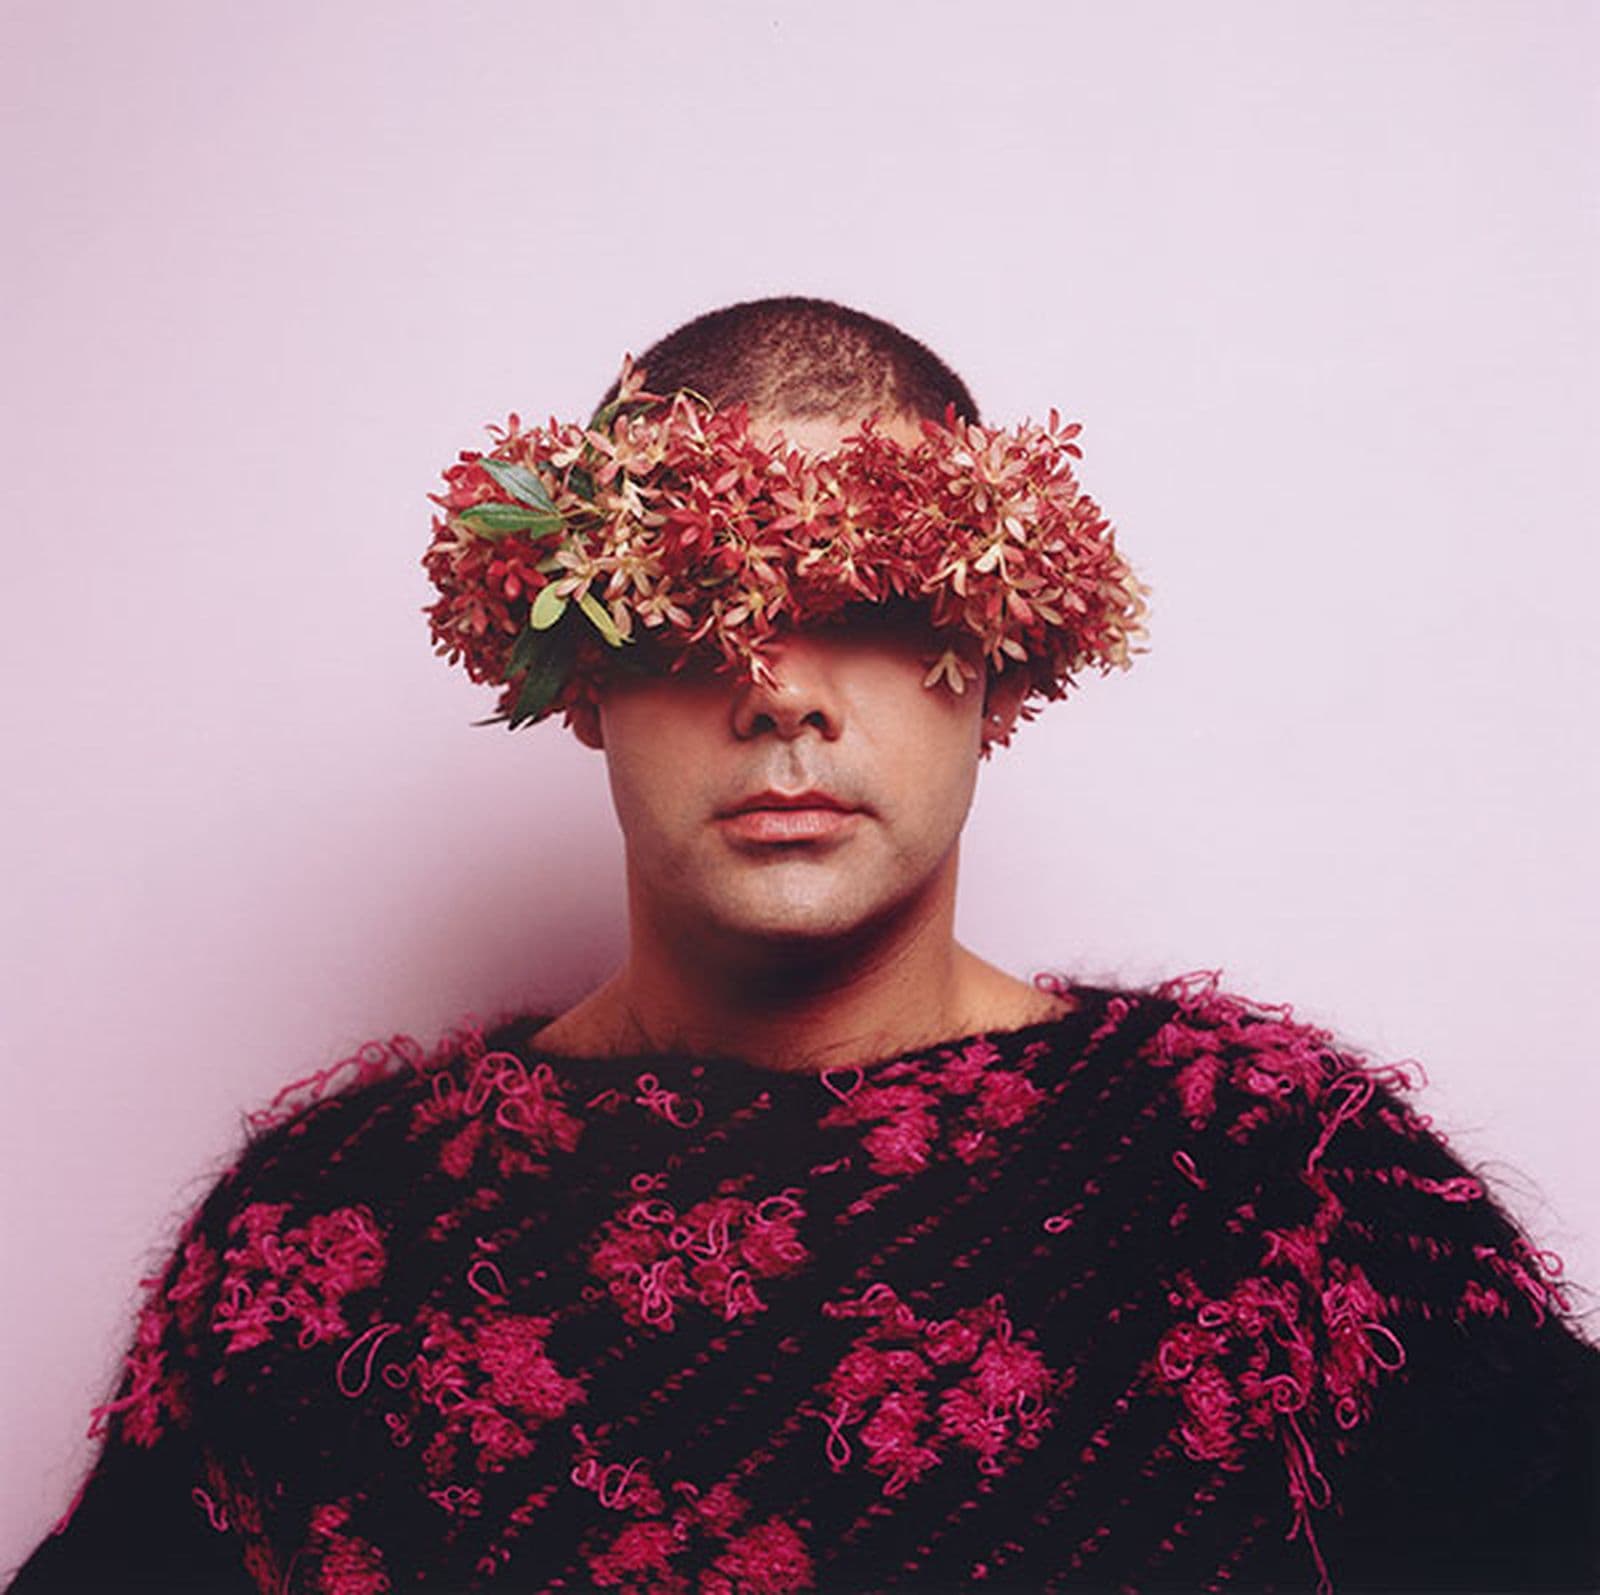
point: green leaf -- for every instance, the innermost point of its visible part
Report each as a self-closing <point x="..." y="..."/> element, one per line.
<point x="547" y="609"/>
<point x="549" y="655"/>
<point x="495" y="520"/>
<point x="596" y="611"/>
<point x="520" y="483"/>
<point x="525" y="650"/>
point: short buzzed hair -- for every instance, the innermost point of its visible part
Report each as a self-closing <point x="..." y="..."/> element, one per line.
<point x="802" y="358"/>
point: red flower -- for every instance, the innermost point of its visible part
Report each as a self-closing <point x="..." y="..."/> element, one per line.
<point x="710" y="538"/>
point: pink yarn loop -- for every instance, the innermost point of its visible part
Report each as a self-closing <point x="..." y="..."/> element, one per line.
<point x="683" y="1113"/>
<point x="838" y="1443"/>
<point x="366" y="1345"/>
<point x="783" y="1204"/>
<point x="642" y="1215"/>
<point x="1354" y="1090"/>
<point x="495" y="1291"/>
<point x="853" y="1074"/>
<point x="216" y="1514"/>
<point x="613" y="1491"/>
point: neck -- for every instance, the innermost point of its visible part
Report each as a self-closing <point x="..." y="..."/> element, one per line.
<point x="798" y="1005"/>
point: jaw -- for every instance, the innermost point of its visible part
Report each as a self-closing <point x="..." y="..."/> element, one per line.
<point x="792" y="912"/>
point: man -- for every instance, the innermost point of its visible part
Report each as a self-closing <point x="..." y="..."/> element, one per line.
<point x="810" y="1251"/>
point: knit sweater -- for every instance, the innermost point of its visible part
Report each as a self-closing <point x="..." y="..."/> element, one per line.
<point x="1167" y="1293"/>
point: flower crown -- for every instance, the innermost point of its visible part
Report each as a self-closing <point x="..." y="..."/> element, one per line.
<point x="665" y="532"/>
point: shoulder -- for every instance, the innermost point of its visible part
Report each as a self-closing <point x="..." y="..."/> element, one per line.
<point x="389" y="1105"/>
<point x="1219" y="1068"/>
<point x="338" y="1178"/>
<point x="1347" y="1287"/>
<point x="1314" y="1144"/>
<point x="1239" y="1063"/>
<point x="1263" y="1095"/>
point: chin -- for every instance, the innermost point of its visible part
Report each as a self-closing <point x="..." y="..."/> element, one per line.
<point x="787" y="922"/>
<point x="809" y="919"/>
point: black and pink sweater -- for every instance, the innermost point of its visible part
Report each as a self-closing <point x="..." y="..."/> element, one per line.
<point x="1169" y="1293"/>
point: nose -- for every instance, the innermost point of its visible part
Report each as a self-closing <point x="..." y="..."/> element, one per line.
<point x="800" y="695"/>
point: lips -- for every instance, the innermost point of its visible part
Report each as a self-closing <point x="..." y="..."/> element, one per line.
<point x="779" y="818"/>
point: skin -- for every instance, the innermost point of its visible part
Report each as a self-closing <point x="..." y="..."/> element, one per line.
<point x="800" y="936"/>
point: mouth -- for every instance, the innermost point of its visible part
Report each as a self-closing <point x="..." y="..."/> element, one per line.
<point x="774" y="818"/>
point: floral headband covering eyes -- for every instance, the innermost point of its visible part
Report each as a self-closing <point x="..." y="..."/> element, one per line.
<point x="665" y="534"/>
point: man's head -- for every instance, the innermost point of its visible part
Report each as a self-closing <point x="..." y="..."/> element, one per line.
<point x="808" y="808"/>
<point x="782" y="501"/>
<point x="803" y="359"/>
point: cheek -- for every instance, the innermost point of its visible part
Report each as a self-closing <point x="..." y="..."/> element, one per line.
<point x="650" y="788"/>
<point x="933" y="725"/>
<point x="950" y="798"/>
<point x="667" y="759"/>
<point x="930" y="766"/>
<point x="648" y="769"/>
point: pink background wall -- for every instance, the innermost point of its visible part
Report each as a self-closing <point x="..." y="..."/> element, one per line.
<point x="1320" y="278"/>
